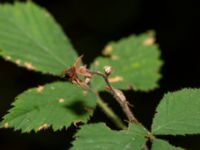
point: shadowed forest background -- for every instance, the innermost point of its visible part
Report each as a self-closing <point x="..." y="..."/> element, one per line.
<point x="90" y="24"/>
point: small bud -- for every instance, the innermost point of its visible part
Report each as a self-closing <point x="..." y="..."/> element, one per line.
<point x="107" y="70"/>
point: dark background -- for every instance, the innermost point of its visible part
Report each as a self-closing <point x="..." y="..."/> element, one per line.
<point x="90" y="24"/>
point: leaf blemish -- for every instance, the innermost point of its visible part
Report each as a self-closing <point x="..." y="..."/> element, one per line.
<point x="85" y="93"/>
<point x="107" y="50"/>
<point x="17" y="61"/>
<point x="8" y="58"/>
<point x="5" y="125"/>
<point x="29" y="66"/>
<point x="43" y="127"/>
<point x="115" y="79"/>
<point x="96" y="63"/>
<point x="149" y="41"/>
<point x="114" y="57"/>
<point x="40" y="88"/>
<point x="61" y="100"/>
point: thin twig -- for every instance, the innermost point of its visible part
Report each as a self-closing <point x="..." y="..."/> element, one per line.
<point x="108" y="111"/>
<point x="119" y="96"/>
<point x="76" y="70"/>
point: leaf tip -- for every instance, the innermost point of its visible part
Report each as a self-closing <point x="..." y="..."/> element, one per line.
<point x="8" y="58"/>
<point x="29" y="66"/>
<point x="149" y="41"/>
<point x="43" y="126"/>
<point x="107" y="50"/>
<point x="17" y="62"/>
<point x="6" y="125"/>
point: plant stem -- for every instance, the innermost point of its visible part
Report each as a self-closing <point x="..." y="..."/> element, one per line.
<point x="109" y="112"/>
<point x="119" y="97"/>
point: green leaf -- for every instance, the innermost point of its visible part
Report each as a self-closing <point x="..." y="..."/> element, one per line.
<point x="31" y="38"/>
<point x="100" y="137"/>
<point x="178" y="113"/>
<point x="135" y="62"/>
<point x="58" y="105"/>
<point x="159" y="144"/>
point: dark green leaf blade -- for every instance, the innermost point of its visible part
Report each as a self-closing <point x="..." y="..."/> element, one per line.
<point x="31" y="38"/>
<point x="100" y="137"/>
<point x="159" y="144"/>
<point x="178" y="113"/>
<point x="135" y="62"/>
<point x="57" y="104"/>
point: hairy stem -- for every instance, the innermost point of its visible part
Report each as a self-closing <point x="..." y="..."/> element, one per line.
<point x="119" y="97"/>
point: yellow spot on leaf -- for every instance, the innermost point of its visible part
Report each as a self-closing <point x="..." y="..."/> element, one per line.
<point x="85" y="93"/>
<point x="17" y="61"/>
<point x="5" y="125"/>
<point x="29" y="66"/>
<point x="114" y="57"/>
<point x="96" y="63"/>
<point x="115" y="79"/>
<point x="40" y="88"/>
<point x="107" y="50"/>
<point x="8" y="58"/>
<point x="43" y="127"/>
<point x="61" y="100"/>
<point x="149" y="41"/>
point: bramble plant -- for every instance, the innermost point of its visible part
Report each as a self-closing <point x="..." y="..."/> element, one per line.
<point x="31" y="38"/>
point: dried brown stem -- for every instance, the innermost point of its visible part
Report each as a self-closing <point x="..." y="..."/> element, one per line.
<point x="119" y="96"/>
<point x="77" y="70"/>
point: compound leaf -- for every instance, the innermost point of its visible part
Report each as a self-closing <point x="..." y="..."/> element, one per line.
<point x="30" y="37"/>
<point x="57" y="104"/>
<point x="159" y="144"/>
<point x="135" y="62"/>
<point x="100" y="137"/>
<point x="178" y="113"/>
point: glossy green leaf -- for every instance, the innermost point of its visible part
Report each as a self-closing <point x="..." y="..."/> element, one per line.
<point x="31" y="38"/>
<point x="100" y="137"/>
<point x="57" y="104"/>
<point x="178" y="113"/>
<point x="135" y="62"/>
<point x="159" y="144"/>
